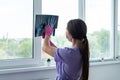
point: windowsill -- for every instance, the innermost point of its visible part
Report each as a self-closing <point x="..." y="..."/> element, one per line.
<point x="50" y="67"/>
<point x="103" y="63"/>
<point x="26" y="69"/>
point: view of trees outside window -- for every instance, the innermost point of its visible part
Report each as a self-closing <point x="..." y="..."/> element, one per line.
<point x="66" y="10"/>
<point x="16" y="28"/>
<point x="119" y="27"/>
<point x="99" y="22"/>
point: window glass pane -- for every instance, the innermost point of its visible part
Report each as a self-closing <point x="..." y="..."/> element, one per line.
<point x="16" y="23"/>
<point x="99" y="18"/>
<point x="118" y="27"/>
<point x="66" y="10"/>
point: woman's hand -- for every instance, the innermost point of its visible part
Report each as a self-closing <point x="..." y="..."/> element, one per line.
<point x="47" y="44"/>
<point x="47" y="34"/>
<point x="48" y="30"/>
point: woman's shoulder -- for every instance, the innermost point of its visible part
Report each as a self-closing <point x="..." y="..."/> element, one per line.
<point x="64" y="48"/>
<point x="68" y="50"/>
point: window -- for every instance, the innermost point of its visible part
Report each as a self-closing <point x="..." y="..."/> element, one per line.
<point x="16" y="23"/>
<point x="16" y="30"/>
<point x="66" y="10"/>
<point x="98" y="17"/>
<point x="118" y="28"/>
<point x="19" y="46"/>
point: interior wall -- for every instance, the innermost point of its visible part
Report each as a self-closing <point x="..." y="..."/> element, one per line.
<point x="101" y="72"/>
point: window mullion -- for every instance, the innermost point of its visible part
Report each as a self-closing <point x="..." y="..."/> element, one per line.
<point x="81" y="7"/>
<point x="115" y="25"/>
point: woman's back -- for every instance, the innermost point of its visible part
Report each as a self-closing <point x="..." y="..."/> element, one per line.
<point x="68" y="63"/>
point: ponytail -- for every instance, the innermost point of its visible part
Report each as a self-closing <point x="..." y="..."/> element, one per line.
<point x="78" y="30"/>
<point x="84" y="49"/>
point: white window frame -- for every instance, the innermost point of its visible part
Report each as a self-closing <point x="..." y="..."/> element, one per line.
<point x="116" y="56"/>
<point x="35" y="60"/>
<point x="81" y="5"/>
<point x="114" y="40"/>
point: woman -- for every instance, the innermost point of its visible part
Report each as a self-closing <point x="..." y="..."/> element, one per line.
<point x="71" y="63"/>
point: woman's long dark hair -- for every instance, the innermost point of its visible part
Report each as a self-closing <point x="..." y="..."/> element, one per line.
<point x="78" y="30"/>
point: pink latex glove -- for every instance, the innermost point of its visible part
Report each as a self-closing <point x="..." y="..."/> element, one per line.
<point x="48" y="30"/>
